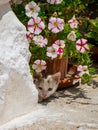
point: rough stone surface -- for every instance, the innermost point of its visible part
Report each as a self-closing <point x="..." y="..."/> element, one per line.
<point x="18" y="95"/>
<point x="75" y="108"/>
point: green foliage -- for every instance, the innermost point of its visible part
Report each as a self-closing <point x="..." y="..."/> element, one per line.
<point x="88" y="29"/>
<point x="93" y="29"/>
<point x="86" y="78"/>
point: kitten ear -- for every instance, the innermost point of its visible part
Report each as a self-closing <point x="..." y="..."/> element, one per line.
<point x="37" y="77"/>
<point x="56" y="77"/>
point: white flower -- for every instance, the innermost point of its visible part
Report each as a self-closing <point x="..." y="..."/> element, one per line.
<point x="56" y="24"/>
<point x="39" y="65"/>
<point x="82" y="70"/>
<point x="51" y="1"/>
<point x="36" y="25"/>
<point x="32" y="9"/>
<point x="73" y="22"/>
<point x="54" y="1"/>
<point x="81" y="45"/>
<point x="52" y="52"/>
<point x="40" y="40"/>
<point x="71" y="36"/>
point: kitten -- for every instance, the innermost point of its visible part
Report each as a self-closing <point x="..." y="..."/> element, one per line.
<point x="46" y="86"/>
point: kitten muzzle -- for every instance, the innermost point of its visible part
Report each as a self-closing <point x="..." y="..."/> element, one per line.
<point x="44" y="94"/>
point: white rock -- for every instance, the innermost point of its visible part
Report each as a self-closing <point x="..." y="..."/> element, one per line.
<point x="17" y="1"/>
<point x="18" y="95"/>
<point x="4" y="2"/>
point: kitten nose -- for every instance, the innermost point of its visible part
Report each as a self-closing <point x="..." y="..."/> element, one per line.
<point x="44" y="94"/>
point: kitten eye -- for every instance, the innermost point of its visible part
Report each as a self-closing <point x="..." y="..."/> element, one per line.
<point x="49" y="89"/>
<point x="40" y="88"/>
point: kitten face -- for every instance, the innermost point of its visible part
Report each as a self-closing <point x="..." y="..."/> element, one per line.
<point x="47" y="86"/>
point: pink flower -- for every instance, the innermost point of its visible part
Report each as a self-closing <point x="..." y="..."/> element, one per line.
<point x="81" y="45"/>
<point x="36" y="25"/>
<point x="82" y="70"/>
<point x="54" y="1"/>
<point x="60" y="51"/>
<point x="29" y="36"/>
<point x="56" y="24"/>
<point x="52" y="52"/>
<point x="39" y="65"/>
<point x="32" y="9"/>
<point x="40" y="40"/>
<point x="73" y="22"/>
<point x="71" y="36"/>
<point x="60" y="43"/>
